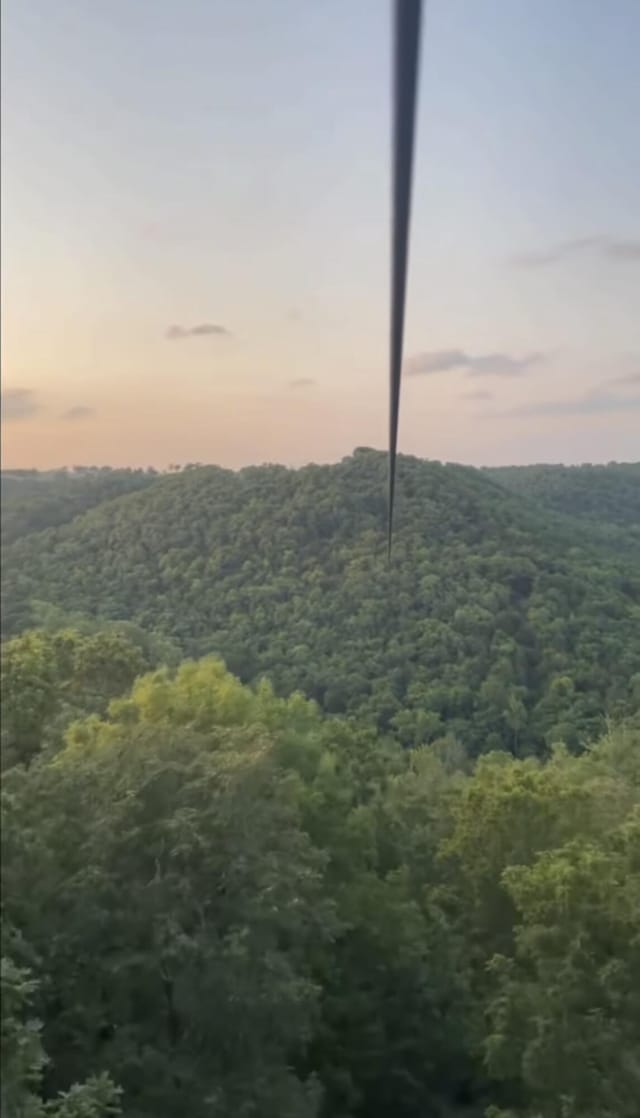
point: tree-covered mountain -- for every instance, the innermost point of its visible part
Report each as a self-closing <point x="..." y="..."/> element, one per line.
<point x="220" y="900"/>
<point x="498" y="619"/>
<point x="606" y="496"/>
<point x="33" y="500"/>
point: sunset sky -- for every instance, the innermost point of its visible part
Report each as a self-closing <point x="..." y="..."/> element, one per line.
<point x="195" y="232"/>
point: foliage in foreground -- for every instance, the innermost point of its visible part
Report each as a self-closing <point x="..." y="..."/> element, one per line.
<point x="24" y="1061"/>
<point x="235" y="906"/>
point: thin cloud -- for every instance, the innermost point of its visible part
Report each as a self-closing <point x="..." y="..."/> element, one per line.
<point x="481" y="365"/>
<point x="202" y="330"/>
<point x="480" y="394"/>
<point x="19" y="404"/>
<point x="503" y="365"/>
<point x="624" y="250"/>
<point x="436" y="361"/>
<point x="301" y="382"/>
<point x="294" y="315"/>
<point x="79" y="412"/>
<point x="629" y="378"/>
<point x="607" y="248"/>
<point x="595" y="403"/>
<point x="562" y="251"/>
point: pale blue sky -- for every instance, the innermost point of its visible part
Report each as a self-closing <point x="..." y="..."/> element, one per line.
<point x="226" y="162"/>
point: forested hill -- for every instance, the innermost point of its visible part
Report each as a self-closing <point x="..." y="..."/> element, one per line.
<point x="219" y="900"/>
<point x="497" y="621"/>
<point x="603" y="495"/>
<point x="33" y="501"/>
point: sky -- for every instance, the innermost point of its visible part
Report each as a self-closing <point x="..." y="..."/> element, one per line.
<point x="195" y="232"/>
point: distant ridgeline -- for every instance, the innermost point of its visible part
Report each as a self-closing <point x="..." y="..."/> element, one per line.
<point x="509" y="616"/>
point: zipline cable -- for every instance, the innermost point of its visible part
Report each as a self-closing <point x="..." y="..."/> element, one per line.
<point x="406" y="52"/>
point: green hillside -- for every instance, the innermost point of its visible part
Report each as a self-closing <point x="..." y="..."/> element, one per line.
<point x="607" y="496"/>
<point x="221" y="900"/>
<point x="498" y="621"/>
<point x="33" y="501"/>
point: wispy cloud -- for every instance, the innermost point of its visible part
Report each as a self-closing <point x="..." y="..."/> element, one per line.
<point x="594" y="403"/>
<point x="301" y="382"/>
<point x="76" y="413"/>
<point x="628" y="378"/>
<point x="480" y="394"/>
<point x="202" y="330"/>
<point x="435" y="361"/>
<point x="480" y="365"/>
<point x="19" y="404"/>
<point x="503" y="365"/>
<point x="294" y="314"/>
<point x="625" y="249"/>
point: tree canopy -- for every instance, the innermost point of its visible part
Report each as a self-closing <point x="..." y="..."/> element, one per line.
<point x="223" y="902"/>
<point x="383" y="861"/>
<point x="499" y="621"/>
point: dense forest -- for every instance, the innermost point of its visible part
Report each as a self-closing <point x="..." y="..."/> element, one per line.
<point x="229" y="888"/>
<point x="32" y="500"/>
<point x="221" y="902"/>
<point x="600" y="494"/>
<point x="500" y="620"/>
